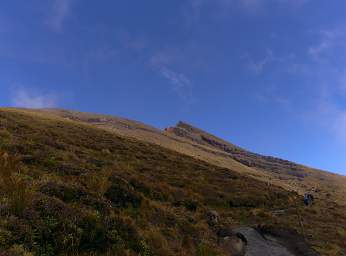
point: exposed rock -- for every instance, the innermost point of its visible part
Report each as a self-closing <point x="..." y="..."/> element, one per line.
<point x="213" y="218"/>
<point x="258" y="245"/>
<point x="247" y="158"/>
<point x="232" y="242"/>
<point x="273" y="242"/>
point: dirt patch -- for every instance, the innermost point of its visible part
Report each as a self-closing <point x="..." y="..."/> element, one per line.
<point x="274" y="242"/>
<point x="290" y="239"/>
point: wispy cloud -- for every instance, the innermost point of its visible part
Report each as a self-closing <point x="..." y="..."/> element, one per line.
<point x="326" y="109"/>
<point x="339" y="126"/>
<point x="257" y="5"/>
<point x="258" y="65"/>
<point x="332" y="117"/>
<point x="329" y="40"/>
<point x="329" y="76"/>
<point x="273" y="96"/>
<point x="180" y="83"/>
<point x="251" y="6"/>
<point x="29" y="99"/>
<point x="342" y="81"/>
<point x="60" y="11"/>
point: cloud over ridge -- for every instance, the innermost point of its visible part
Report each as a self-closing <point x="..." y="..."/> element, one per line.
<point x="28" y="99"/>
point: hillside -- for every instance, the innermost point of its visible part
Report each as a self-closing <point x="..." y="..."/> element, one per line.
<point x="282" y="172"/>
<point x="199" y="144"/>
<point x="85" y="184"/>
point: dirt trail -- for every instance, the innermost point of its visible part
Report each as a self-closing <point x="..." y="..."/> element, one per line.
<point x="259" y="245"/>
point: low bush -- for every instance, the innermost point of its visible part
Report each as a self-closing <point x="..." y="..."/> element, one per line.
<point x="250" y="201"/>
<point x="65" y="192"/>
<point x="122" y="194"/>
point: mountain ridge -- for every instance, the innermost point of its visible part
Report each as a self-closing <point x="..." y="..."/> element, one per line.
<point x="207" y="147"/>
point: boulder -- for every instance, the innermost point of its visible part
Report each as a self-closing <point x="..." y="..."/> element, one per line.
<point x="232" y="242"/>
<point x="213" y="218"/>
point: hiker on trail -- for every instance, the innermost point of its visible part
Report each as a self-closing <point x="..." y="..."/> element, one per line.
<point x="308" y="199"/>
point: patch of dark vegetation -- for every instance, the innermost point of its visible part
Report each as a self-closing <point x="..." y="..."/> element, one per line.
<point x="122" y="194"/>
<point x="65" y="192"/>
<point x="150" y="190"/>
<point x="250" y="201"/>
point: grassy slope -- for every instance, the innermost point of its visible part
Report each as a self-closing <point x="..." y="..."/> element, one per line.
<point x="281" y="172"/>
<point x="91" y="191"/>
<point x="286" y="174"/>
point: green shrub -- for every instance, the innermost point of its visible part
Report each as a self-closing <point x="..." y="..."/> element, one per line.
<point x="250" y="201"/>
<point x="65" y="192"/>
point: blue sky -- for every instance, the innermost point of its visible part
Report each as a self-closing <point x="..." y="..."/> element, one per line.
<point x="268" y="75"/>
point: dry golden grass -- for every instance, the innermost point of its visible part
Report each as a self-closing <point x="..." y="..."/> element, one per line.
<point x="15" y="191"/>
<point x="328" y="184"/>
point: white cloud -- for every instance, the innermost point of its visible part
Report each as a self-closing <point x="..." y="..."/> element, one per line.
<point x="331" y="39"/>
<point x="315" y="51"/>
<point x="333" y="118"/>
<point x="328" y="114"/>
<point x="252" y="6"/>
<point x="179" y="80"/>
<point x="181" y="84"/>
<point x="60" y="11"/>
<point x="342" y="82"/>
<point x="29" y="99"/>
<point x="340" y="126"/>
<point x="258" y="66"/>
<point x="165" y="58"/>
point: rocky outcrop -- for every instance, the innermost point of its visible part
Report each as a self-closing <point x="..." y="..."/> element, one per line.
<point x="213" y="218"/>
<point x="249" y="159"/>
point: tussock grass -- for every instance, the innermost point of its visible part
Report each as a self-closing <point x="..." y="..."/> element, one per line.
<point x="15" y="192"/>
